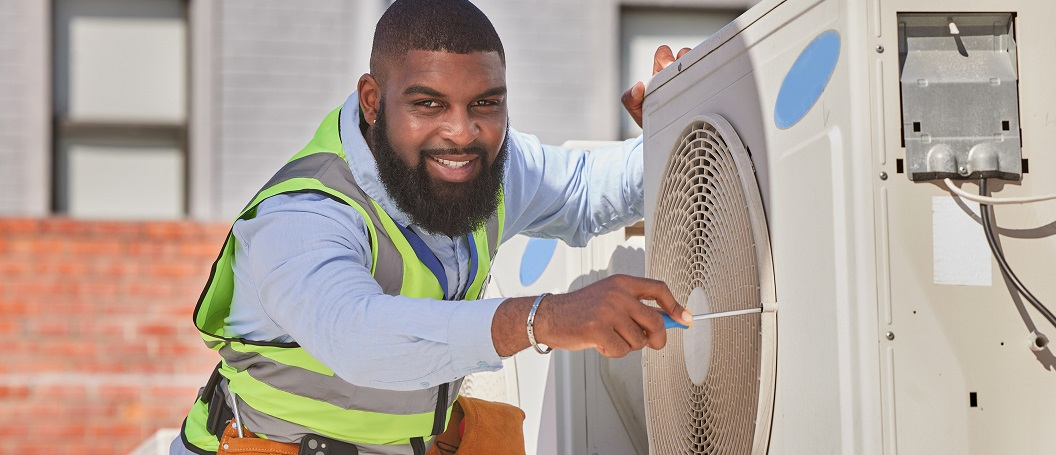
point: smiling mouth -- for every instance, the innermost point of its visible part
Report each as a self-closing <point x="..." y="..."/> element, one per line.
<point x="453" y="164"/>
<point x="454" y="167"/>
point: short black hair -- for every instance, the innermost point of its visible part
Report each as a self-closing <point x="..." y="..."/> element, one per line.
<point x="455" y="26"/>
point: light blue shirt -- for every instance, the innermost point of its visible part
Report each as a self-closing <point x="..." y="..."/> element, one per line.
<point x="302" y="265"/>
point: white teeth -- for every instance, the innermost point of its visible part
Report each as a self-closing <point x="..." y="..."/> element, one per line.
<point x="451" y="164"/>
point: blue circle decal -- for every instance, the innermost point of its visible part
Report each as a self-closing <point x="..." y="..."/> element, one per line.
<point x="536" y="257"/>
<point x="807" y="78"/>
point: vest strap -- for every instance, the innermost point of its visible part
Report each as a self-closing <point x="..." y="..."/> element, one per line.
<point x="427" y="257"/>
<point x="210" y="385"/>
<point x="219" y="413"/>
<point x="440" y="421"/>
<point x="418" y="445"/>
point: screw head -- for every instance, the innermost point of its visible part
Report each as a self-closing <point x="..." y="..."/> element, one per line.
<point x="879" y="49"/>
<point x="963" y="170"/>
<point x="889" y="335"/>
<point x="680" y="67"/>
<point x="883" y="175"/>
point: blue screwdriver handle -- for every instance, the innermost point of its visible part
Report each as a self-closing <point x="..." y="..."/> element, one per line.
<point x="671" y="323"/>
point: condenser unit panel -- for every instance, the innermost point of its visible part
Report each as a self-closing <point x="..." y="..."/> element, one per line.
<point x="894" y="331"/>
<point x="957" y="371"/>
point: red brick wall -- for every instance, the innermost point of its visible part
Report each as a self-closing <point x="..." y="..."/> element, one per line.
<point x="98" y="347"/>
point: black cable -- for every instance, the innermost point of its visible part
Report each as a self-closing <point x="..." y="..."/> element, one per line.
<point x="988" y="228"/>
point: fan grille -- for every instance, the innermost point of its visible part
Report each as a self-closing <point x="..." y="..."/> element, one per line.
<point x="703" y="238"/>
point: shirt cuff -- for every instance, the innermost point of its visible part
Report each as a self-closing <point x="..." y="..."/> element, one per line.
<point x="636" y="170"/>
<point x="472" y="349"/>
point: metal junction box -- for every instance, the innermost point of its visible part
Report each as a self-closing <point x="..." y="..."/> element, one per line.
<point x="960" y="95"/>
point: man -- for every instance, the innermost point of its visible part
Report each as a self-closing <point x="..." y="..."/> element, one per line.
<point x="345" y="301"/>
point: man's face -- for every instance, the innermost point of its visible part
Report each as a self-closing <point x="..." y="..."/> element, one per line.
<point x="440" y="137"/>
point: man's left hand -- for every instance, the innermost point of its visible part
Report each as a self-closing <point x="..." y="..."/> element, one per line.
<point x="632" y="99"/>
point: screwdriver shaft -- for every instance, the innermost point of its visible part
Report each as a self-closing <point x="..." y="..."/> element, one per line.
<point x="722" y="314"/>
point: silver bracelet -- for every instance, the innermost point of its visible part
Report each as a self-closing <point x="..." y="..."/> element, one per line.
<point x="531" y="325"/>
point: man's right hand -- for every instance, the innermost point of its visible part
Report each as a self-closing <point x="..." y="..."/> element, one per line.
<point x="607" y="315"/>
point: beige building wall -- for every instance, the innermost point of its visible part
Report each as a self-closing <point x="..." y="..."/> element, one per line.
<point x="25" y="119"/>
<point x="263" y="73"/>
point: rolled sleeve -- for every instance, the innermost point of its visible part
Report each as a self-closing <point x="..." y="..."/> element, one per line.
<point x="573" y="194"/>
<point x="471" y="347"/>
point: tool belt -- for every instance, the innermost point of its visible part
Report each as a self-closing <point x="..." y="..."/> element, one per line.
<point x="250" y="444"/>
<point x="476" y="427"/>
<point x="221" y="423"/>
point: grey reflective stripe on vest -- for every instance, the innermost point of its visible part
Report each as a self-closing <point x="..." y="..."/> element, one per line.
<point x="492" y="228"/>
<point x="332" y="171"/>
<point x="283" y="431"/>
<point x="332" y="389"/>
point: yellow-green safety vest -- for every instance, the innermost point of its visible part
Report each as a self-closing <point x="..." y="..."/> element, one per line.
<point x="284" y="392"/>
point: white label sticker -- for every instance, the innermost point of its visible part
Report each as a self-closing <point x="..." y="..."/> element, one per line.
<point x="961" y="254"/>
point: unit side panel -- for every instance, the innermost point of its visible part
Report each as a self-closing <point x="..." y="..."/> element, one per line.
<point x="959" y="374"/>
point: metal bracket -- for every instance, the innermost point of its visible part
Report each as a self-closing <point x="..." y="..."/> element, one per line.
<point x="960" y="95"/>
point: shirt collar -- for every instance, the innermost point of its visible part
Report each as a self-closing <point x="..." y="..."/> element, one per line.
<point x="359" y="155"/>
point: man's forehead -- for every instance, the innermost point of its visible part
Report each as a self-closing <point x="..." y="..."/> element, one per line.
<point x="448" y="68"/>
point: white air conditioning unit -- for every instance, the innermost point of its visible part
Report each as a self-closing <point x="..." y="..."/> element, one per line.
<point x="793" y="166"/>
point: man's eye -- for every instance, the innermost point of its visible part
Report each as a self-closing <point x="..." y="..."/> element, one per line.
<point x="428" y="103"/>
<point x="485" y="103"/>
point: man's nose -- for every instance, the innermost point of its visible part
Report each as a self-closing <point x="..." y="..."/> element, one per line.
<point x="460" y="128"/>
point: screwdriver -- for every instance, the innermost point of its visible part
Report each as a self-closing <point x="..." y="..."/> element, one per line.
<point x="672" y="324"/>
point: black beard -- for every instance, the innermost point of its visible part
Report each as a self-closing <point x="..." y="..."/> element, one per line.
<point x="439" y="207"/>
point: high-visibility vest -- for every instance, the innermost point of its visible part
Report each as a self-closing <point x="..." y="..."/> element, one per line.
<point x="283" y="391"/>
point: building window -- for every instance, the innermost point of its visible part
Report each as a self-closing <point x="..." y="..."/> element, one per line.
<point x="642" y="30"/>
<point x="120" y="75"/>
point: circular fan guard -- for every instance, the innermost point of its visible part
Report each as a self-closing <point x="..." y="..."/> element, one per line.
<point x="709" y="232"/>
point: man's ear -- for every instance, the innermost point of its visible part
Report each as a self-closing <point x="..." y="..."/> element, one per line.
<point x="369" y="98"/>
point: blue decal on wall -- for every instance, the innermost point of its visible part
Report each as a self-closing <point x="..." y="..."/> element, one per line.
<point x="807" y="78"/>
<point x="536" y="257"/>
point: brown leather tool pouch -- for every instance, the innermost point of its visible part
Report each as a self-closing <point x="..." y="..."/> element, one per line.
<point x="490" y="428"/>
<point x="231" y="444"/>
